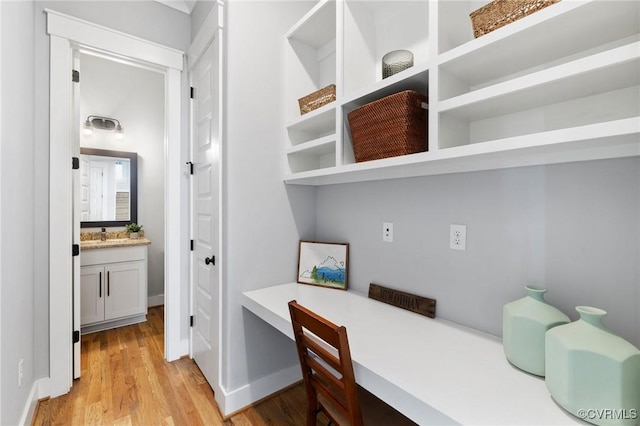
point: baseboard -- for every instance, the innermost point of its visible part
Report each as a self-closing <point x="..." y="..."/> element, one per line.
<point x="39" y="390"/>
<point x="156" y="300"/>
<point x="237" y="400"/>
<point x="112" y="324"/>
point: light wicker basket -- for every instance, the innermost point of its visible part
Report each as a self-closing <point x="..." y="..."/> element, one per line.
<point x="317" y="99"/>
<point x="391" y="126"/>
<point x="499" y="13"/>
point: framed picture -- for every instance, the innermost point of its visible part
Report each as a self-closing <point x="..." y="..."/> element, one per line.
<point x="323" y="264"/>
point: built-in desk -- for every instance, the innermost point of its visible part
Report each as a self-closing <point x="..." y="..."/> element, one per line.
<point x="432" y="370"/>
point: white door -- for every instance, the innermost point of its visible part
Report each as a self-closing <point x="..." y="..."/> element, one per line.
<point x="205" y="193"/>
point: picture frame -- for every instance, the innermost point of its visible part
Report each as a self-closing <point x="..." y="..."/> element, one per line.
<point x="323" y="264"/>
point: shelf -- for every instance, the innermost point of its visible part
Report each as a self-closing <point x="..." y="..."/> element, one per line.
<point x="604" y="72"/>
<point x="557" y="31"/>
<point x="313" y="125"/>
<point x="317" y="27"/>
<point x="321" y="146"/>
<point x="310" y="55"/>
<point x="373" y="28"/>
<point x="620" y="138"/>
<point x="414" y="78"/>
<point x="560" y="85"/>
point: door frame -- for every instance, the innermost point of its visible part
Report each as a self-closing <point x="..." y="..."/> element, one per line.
<point x="67" y="32"/>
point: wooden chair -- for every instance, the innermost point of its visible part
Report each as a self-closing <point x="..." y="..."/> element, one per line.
<point x="327" y="370"/>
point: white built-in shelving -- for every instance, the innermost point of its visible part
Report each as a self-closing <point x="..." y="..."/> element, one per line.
<point x="560" y="85"/>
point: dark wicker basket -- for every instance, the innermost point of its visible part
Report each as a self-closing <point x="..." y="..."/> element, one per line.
<point x="499" y="13"/>
<point x="317" y="99"/>
<point x="391" y="126"/>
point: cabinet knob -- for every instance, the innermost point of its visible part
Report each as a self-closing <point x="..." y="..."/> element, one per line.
<point x="210" y="260"/>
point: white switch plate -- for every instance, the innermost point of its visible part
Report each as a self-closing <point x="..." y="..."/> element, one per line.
<point x="458" y="237"/>
<point x="387" y="232"/>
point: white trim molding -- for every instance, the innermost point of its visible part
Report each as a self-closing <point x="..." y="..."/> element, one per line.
<point x="110" y="40"/>
<point x="67" y="32"/>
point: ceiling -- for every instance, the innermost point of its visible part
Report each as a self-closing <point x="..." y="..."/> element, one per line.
<point x="185" y="6"/>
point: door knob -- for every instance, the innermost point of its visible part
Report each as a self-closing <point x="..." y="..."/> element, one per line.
<point x="210" y="260"/>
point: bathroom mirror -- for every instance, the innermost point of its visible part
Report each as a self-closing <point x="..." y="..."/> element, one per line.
<point x="108" y="188"/>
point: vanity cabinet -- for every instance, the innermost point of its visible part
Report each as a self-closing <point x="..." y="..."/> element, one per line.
<point x="113" y="287"/>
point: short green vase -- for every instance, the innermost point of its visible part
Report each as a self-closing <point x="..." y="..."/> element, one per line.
<point x="592" y="373"/>
<point x="524" y="324"/>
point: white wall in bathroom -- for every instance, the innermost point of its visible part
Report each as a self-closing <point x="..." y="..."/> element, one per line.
<point x="134" y="96"/>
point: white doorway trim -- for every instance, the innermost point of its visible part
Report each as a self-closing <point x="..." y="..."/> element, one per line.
<point x="66" y="32"/>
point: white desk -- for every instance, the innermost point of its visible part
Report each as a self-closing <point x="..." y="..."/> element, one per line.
<point x="433" y="371"/>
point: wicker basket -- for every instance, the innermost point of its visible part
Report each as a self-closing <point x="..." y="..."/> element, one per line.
<point x="391" y="126"/>
<point x="499" y="13"/>
<point x="317" y="99"/>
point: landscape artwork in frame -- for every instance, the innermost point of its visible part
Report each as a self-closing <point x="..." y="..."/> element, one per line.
<point x="323" y="264"/>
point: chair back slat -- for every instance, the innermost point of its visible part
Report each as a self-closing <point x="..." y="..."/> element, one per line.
<point x="321" y="352"/>
<point x="334" y="392"/>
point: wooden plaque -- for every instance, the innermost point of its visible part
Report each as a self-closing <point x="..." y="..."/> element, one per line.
<point x="410" y="302"/>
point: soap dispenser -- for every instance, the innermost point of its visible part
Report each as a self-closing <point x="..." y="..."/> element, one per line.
<point x="103" y="235"/>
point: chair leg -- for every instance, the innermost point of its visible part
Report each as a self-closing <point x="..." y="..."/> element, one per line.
<point x="312" y="415"/>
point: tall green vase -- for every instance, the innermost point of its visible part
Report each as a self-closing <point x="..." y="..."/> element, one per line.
<point x="524" y="324"/>
<point x="592" y="373"/>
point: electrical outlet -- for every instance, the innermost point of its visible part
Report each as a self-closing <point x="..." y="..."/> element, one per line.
<point x="387" y="232"/>
<point x="20" y="371"/>
<point x="458" y="237"/>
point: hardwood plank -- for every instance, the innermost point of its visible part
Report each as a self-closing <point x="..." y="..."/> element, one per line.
<point x="126" y="382"/>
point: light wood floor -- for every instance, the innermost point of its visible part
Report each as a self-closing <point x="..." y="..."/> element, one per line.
<point x="126" y="381"/>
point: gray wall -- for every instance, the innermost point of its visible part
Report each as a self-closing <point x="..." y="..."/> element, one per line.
<point x="572" y="228"/>
<point x="264" y="218"/>
<point x="24" y="221"/>
<point x="198" y="15"/>
<point x="17" y="182"/>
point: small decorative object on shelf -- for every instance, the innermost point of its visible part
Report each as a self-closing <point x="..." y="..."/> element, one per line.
<point x="524" y="324"/>
<point x="396" y="61"/>
<point x="391" y="126"/>
<point x="591" y="372"/>
<point x="317" y="99"/>
<point x="499" y="13"/>
<point x="133" y="229"/>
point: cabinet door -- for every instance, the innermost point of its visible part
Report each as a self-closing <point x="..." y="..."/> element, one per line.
<point x="92" y="279"/>
<point x="126" y="293"/>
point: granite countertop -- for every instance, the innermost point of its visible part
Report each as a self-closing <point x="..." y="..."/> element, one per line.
<point x="113" y="242"/>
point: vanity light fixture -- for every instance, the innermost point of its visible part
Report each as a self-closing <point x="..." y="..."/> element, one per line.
<point x="102" y="123"/>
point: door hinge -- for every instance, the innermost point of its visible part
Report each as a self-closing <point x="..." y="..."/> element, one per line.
<point x="190" y="164"/>
<point x="75" y="76"/>
<point x="191" y="245"/>
<point x="191" y="321"/>
<point x="192" y="93"/>
<point x="75" y="249"/>
<point x="76" y="336"/>
<point x="75" y="163"/>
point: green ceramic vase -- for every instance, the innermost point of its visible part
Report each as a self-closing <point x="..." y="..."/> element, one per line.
<point x="592" y="373"/>
<point x="524" y="324"/>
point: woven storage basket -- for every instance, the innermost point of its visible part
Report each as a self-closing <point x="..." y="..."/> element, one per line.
<point x="317" y="99"/>
<point x="499" y="13"/>
<point x="391" y="126"/>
